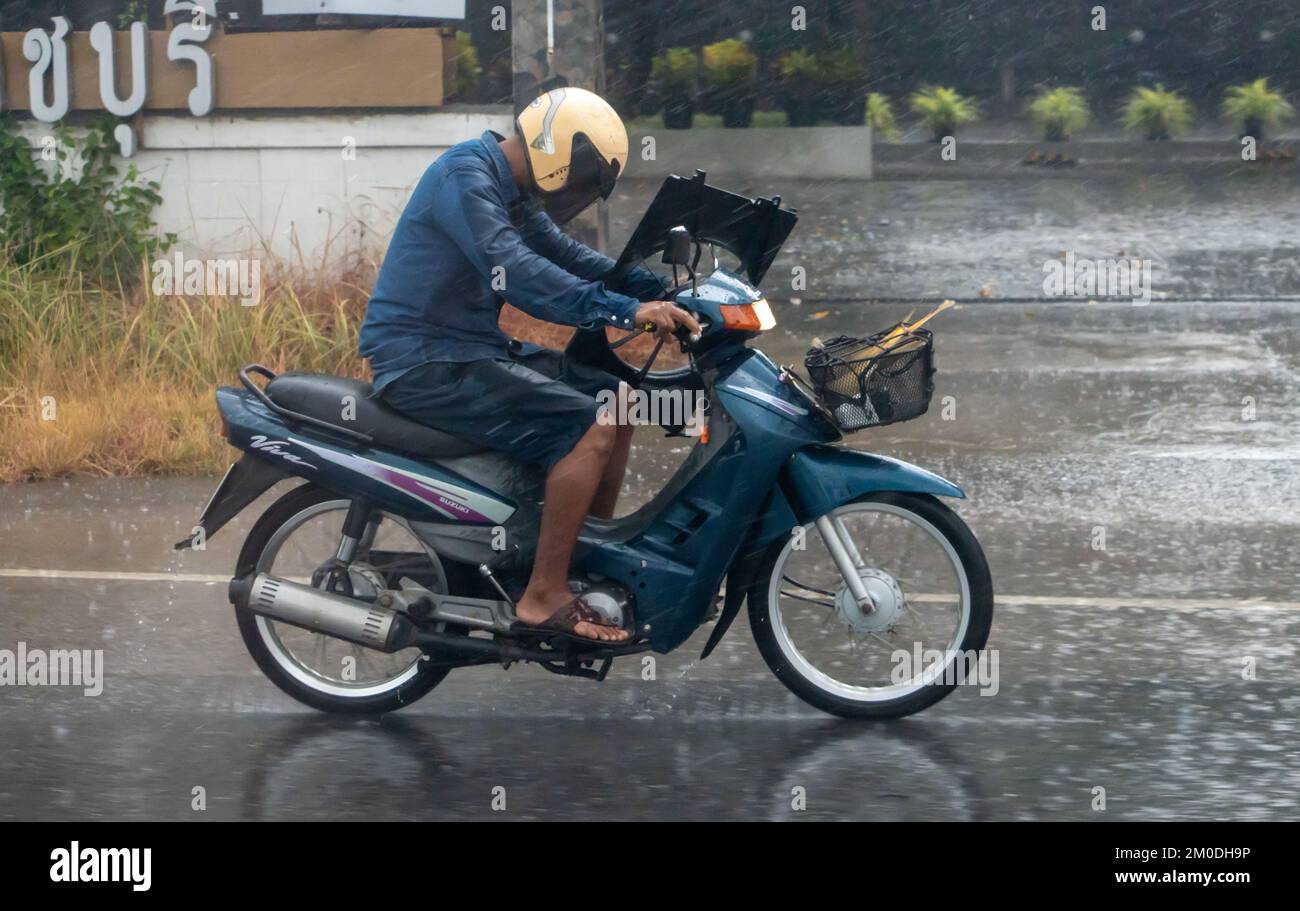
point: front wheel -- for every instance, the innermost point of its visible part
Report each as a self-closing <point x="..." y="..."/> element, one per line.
<point x="930" y="614"/>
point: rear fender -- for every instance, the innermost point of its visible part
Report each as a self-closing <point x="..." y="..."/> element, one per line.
<point x="245" y="481"/>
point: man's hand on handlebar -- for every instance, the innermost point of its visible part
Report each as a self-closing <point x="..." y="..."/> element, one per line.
<point x="663" y="317"/>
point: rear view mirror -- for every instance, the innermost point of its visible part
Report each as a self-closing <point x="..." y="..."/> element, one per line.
<point x="678" y="250"/>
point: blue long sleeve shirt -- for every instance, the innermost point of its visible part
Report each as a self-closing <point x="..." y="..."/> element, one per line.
<point x="468" y="241"/>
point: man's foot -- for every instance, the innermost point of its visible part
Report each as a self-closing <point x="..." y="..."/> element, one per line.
<point x="567" y="614"/>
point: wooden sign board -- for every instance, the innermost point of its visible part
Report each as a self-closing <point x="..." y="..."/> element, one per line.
<point x="337" y="68"/>
<point x="427" y="9"/>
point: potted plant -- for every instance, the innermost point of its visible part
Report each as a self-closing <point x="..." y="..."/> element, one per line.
<point x="799" y="87"/>
<point x="844" y="89"/>
<point x="1060" y="113"/>
<point x="731" y="78"/>
<point x="1254" y="108"/>
<point x="675" y="75"/>
<point x="1156" y="113"/>
<point x="943" y="110"/>
<point x="880" y="116"/>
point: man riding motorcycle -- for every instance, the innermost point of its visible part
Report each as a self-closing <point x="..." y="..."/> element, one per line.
<point x="481" y="228"/>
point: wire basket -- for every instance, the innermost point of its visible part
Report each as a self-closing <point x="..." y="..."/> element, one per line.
<point x="863" y="383"/>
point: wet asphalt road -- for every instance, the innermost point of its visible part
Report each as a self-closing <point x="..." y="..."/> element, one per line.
<point x="1119" y="668"/>
<point x="1207" y="236"/>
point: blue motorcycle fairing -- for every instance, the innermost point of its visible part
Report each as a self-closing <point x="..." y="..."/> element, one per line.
<point x="683" y="548"/>
<point x="420" y="491"/>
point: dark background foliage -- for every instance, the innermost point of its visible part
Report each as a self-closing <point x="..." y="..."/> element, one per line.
<point x="999" y="50"/>
<point x="986" y="48"/>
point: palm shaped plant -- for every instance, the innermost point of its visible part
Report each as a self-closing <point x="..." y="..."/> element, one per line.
<point x="1060" y="113"/>
<point x="1157" y="113"/>
<point x="943" y="109"/>
<point x="1254" y="108"/>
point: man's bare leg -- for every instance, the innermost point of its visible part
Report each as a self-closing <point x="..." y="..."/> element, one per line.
<point x="611" y="482"/>
<point x="570" y="488"/>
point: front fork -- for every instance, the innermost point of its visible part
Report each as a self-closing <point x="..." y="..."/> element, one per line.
<point x="847" y="558"/>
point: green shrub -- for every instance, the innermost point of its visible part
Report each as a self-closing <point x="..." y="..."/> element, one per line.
<point x="799" y="65"/>
<point x="132" y="11"/>
<point x="839" y="66"/>
<point x="1156" y="113"/>
<point x="675" y="76"/>
<point x="731" y="78"/>
<point x="1253" y="107"/>
<point x="843" y="86"/>
<point x="85" y="217"/>
<point x="943" y="109"/>
<point x="800" y="73"/>
<point x="1060" y="113"/>
<point x="675" y="70"/>
<point x="468" y="69"/>
<point x="729" y="64"/>
<point x="880" y="115"/>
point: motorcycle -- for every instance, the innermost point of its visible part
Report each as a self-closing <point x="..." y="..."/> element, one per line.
<point x="402" y="554"/>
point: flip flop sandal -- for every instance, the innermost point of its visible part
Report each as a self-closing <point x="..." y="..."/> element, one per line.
<point x="565" y="621"/>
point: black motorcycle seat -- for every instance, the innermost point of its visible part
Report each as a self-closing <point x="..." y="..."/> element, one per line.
<point x="325" y="398"/>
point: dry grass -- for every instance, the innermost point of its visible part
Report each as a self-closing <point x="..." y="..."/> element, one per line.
<point x="132" y="375"/>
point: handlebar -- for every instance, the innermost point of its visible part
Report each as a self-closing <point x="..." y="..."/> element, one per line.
<point x="681" y="333"/>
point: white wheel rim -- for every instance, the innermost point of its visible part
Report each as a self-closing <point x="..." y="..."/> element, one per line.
<point x="281" y="654"/>
<point x="863" y="694"/>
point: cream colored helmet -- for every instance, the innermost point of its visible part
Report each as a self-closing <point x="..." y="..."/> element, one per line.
<point x="576" y="147"/>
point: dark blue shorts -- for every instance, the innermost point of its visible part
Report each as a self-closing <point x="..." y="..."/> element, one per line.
<point x="534" y="406"/>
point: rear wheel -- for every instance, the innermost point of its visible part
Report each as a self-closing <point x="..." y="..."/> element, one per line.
<point x="293" y="540"/>
<point x="933" y="608"/>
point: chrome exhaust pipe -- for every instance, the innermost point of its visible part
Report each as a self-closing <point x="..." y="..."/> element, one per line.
<point x="323" y="612"/>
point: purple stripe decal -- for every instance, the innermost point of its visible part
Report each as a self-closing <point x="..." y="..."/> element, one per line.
<point x="430" y="494"/>
<point x="422" y="489"/>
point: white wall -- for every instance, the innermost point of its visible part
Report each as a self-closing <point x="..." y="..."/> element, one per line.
<point x="771" y="156"/>
<point x="282" y="184"/>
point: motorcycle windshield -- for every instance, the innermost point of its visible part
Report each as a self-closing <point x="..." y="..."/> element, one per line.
<point x="753" y="230"/>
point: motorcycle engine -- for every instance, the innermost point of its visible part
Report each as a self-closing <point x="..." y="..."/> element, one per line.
<point x="610" y="600"/>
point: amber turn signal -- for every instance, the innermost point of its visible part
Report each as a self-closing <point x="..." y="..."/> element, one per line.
<point x="752" y="317"/>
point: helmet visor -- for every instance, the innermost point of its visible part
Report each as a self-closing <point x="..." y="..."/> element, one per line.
<point x="591" y="177"/>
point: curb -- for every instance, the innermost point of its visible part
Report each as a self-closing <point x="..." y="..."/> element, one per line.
<point x="982" y="158"/>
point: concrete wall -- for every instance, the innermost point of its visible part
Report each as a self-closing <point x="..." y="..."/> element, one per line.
<point x="283" y="184"/>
